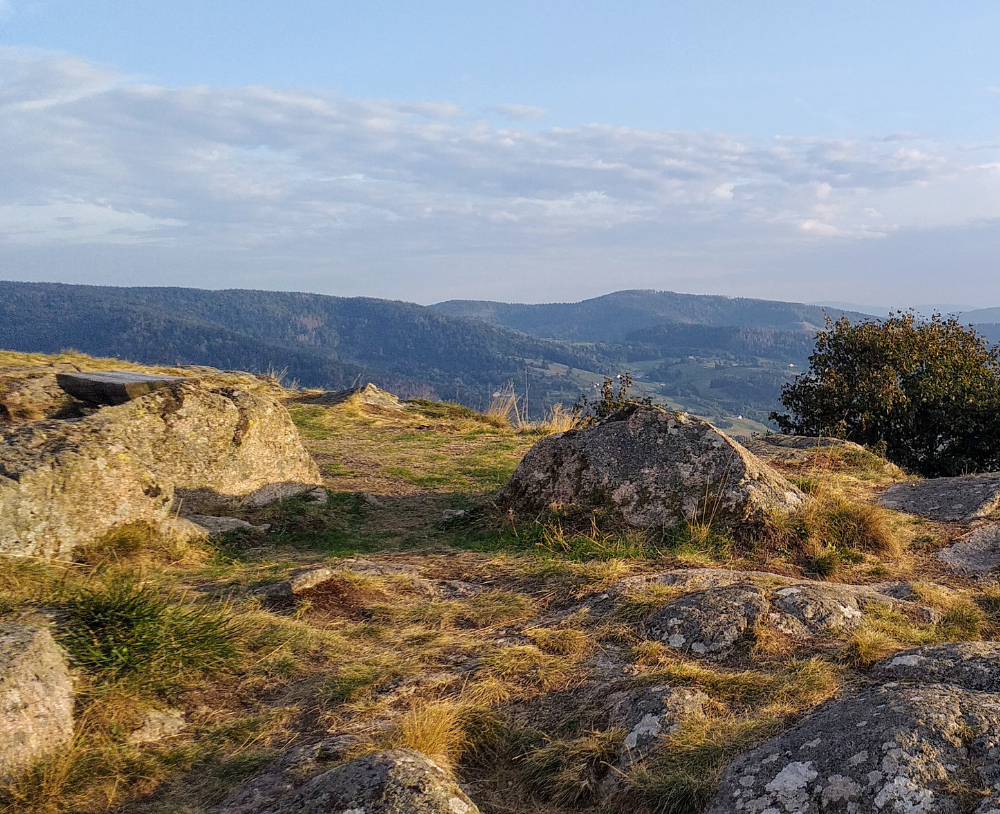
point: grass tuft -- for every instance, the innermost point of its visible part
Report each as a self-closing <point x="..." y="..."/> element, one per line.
<point x="129" y="631"/>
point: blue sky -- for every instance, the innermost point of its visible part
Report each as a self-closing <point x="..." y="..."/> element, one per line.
<point x="526" y="151"/>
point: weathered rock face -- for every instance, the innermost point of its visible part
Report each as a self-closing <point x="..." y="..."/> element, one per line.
<point x="710" y="622"/>
<point x="400" y="781"/>
<point x="906" y="746"/>
<point x="966" y="498"/>
<point x="812" y="609"/>
<point x="651" y="467"/>
<point x="64" y="483"/>
<point x="36" y="697"/>
<point x="970" y="665"/>
<point x="978" y="552"/>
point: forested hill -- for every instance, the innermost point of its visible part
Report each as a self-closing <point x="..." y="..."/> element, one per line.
<point x="321" y="341"/>
<point x="611" y="317"/>
<point x="718" y="357"/>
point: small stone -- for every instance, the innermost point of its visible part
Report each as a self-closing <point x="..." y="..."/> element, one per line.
<point x="157" y="725"/>
<point x="319" y="496"/>
<point x="371" y="500"/>
<point x="451" y="514"/>
<point x="221" y="525"/>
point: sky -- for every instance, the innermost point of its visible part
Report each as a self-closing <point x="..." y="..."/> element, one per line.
<point x="522" y="151"/>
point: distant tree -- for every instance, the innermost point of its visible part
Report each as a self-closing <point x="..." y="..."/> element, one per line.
<point x="926" y="391"/>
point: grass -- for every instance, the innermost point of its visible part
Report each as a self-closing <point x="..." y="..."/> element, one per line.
<point x="129" y="631"/>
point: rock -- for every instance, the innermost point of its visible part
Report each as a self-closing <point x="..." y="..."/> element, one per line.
<point x="371" y="500"/>
<point x="157" y="725"/>
<point x="112" y="386"/>
<point x="655" y="712"/>
<point x="300" y="581"/>
<point x="970" y="665"/>
<point x="368" y="394"/>
<point x="285" y="773"/>
<point x="36" y="697"/>
<point x="809" y="609"/>
<point x="650" y="467"/>
<point x="319" y="496"/>
<point x="963" y="499"/>
<point x="794" y="449"/>
<point x="709" y="622"/>
<point x="884" y="749"/>
<point x="698" y="579"/>
<point x="29" y="394"/>
<point x="978" y="552"/>
<point x="400" y="781"/>
<point x="452" y="514"/>
<point x="66" y="483"/>
<point x="221" y="525"/>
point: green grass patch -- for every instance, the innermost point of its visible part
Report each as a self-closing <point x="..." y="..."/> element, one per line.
<point x="126" y="631"/>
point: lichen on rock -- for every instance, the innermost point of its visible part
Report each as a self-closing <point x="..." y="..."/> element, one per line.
<point x="652" y="468"/>
<point x="66" y="483"/>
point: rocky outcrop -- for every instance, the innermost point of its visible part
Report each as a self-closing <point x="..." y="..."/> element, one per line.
<point x="65" y="483"/>
<point x="951" y="500"/>
<point x="709" y="622"/>
<point x="650" y="467"/>
<point x="400" y="781"/>
<point x="36" y="697"/>
<point x="909" y="745"/>
<point x="978" y="552"/>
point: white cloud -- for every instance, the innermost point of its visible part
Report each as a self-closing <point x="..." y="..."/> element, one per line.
<point x="521" y="113"/>
<point x="313" y="181"/>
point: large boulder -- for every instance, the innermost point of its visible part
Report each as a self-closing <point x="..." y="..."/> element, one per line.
<point x="65" y="483"/>
<point x="400" y="781"/>
<point x="36" y="697"/>
<point x="924" y="742"/>
<point x="652" y="468"/>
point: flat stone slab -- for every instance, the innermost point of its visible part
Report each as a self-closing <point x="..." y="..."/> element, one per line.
<point x="978" y="552"/>
<point x="112" y="386"/>
<point x="950" y="500"/>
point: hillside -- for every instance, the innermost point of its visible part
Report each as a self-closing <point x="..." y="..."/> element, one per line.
<point x="319" y="341"/>
<point x="722" y="358"/>
<point x="402" y="610"/>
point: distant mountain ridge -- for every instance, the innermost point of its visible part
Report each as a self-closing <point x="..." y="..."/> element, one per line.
<point x="611" y="317"/>
<point x="719" y="357"/>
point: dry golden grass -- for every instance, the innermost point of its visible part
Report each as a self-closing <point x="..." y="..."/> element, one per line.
<point x="434" y="728"/>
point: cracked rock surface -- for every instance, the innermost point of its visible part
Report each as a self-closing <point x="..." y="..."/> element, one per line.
<point x="709" y="622"/>
<point x="910" y="745"/>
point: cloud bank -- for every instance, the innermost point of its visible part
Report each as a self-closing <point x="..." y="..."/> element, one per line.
<point x="110" y="180"/>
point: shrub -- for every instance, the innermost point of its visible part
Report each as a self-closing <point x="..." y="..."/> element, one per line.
<point x="925" y="391"/>
<point x="610" y="402"/>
